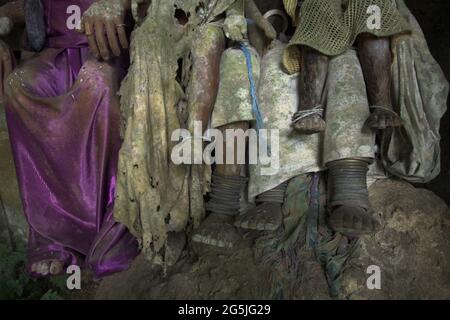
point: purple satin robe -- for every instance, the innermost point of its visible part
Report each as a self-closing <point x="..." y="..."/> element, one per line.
<point x="63" y="118"/>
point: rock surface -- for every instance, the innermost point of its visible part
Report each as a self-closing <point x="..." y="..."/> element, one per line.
<point x="411" y="251"/>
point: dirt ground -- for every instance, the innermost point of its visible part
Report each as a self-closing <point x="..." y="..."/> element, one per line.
<point x="411" y="250"/>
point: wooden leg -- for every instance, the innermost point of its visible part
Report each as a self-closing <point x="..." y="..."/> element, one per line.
<point x="233" y="170"/>
<point x="376" y="60"/>
<point x="313" y="74"/>
<point x="204" y="79"/>
<point x="218" y="230"/>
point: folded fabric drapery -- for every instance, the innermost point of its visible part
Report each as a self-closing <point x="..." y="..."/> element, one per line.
<point x="63" y="118"/>
<point x="420" y="91"/>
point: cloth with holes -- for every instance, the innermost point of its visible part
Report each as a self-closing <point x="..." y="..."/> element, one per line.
<point x="332" y="26"/>
<point x="155" y="197"/>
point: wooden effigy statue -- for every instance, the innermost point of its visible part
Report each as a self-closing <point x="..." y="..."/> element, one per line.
<point x="307" y="73"/>
<point x="63" y="117"/>
<point x="208" y="62"/>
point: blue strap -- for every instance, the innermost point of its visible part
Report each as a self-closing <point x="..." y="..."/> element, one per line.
<point x="255" y="105"/>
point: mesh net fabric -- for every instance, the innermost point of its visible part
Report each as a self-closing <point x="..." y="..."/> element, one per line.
<point x="331" y="26"/>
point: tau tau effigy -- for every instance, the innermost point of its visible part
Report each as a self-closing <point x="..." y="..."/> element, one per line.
<point x="330" y="73"/>
<point x="349" y="87"/>
<point x="63" y="117"/>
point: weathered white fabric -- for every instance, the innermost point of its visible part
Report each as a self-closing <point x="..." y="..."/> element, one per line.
<point x="278" y="100"/>
<point x="234" y="103"/>
<point x="347" y="110"/>
<point x="421" y="91"/>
